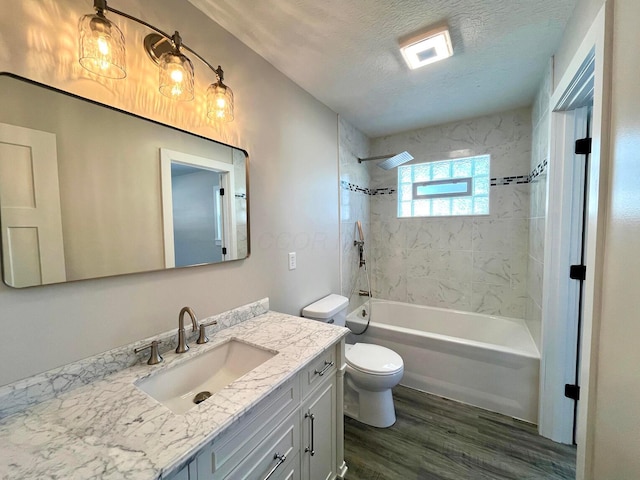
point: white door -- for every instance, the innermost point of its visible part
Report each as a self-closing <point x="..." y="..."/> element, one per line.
<point x="33" y="252"/>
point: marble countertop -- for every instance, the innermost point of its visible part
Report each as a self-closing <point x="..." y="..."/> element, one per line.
<point x="110" y="429"/>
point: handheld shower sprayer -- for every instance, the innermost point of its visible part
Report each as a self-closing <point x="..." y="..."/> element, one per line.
<point x="360" y="234"/>
<point x="362" y="269"/>
<point x="360" y="243"/>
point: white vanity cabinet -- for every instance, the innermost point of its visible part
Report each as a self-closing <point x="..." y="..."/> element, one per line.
<point x="295" y="433"/>
<point x="319" y="432"/>
<point x="318" y="414"/>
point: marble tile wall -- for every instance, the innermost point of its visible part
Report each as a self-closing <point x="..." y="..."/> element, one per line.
<point x="466" y="263"/>
<point x="540" y="119"/>
<point x="354" y="206"/>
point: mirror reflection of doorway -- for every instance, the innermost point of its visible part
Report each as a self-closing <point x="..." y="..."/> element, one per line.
<point x="199" y="225"/>
<point x="197" y="216"/>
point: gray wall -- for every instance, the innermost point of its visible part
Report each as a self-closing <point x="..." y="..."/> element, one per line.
<point x="617" y="420"/>
<point x="292" y="142"/>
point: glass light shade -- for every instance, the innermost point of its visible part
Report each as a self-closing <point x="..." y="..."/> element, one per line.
<point x="102" y="49"/>
<point x="176" y="76"/>
<point x="220" y="102"/>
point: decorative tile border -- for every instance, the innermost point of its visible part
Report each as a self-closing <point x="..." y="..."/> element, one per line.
<point x="519" y="179"/>
<point x="352" y="187"/>
<point x="535" y="173"/>
<point x="539" y="170"/>
<point x="495" y="182"/>
<point x="383" y="191"/>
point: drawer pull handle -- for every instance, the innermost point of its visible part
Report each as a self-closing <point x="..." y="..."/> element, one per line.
<point x="281" y="459"/>
<point x="311" y="449"/>
<point x="327" y="366"/>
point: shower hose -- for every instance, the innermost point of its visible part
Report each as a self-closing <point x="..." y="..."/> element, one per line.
<point x="362" y="265"/>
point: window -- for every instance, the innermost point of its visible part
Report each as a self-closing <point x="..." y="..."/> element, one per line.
<point x="444" y="188"/>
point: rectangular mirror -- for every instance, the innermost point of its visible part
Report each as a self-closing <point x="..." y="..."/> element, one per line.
<point x="89" y="191"/>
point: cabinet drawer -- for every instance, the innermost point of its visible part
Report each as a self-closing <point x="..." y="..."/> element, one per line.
<point x="323" y="366"/>
<point x="292" y="472"/>
<point x="216" y="461"/>
<point x="276" y="455"/>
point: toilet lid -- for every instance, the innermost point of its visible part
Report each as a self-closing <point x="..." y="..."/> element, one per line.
<point x="373" y="359"/>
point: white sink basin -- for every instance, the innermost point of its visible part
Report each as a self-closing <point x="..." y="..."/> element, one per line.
<point x="177" y="387"/>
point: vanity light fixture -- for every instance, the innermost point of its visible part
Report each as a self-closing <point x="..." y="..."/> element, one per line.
<point x="427" y="47"/>
<point x="102" y="51"/>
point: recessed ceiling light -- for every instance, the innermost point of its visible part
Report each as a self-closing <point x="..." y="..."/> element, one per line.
<point x="425" y="48"/>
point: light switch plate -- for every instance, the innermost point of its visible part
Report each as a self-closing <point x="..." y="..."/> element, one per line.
<point x="292" y="260"/>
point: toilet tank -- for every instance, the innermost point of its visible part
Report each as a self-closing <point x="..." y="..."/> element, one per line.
<point x="330" y="309"/>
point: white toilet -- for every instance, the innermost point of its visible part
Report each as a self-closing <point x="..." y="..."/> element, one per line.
<point x="372" y="370"/>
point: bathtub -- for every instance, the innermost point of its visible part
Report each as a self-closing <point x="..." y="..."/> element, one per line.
<point x="483" y="360"/>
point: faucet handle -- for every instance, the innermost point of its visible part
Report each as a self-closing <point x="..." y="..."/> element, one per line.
<point x="202" y="338"/>
<point x="155" y="357"/>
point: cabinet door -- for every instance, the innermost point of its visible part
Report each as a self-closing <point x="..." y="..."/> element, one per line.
<point x="319" y="433"/>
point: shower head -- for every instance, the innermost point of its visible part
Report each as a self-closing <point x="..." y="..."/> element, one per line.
<point x="390" y="161"/>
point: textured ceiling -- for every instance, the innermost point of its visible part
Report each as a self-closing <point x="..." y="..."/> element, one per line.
<point x="345" y="53"/>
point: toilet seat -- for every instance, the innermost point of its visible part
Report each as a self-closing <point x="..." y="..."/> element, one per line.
<point x="373" y="359"/>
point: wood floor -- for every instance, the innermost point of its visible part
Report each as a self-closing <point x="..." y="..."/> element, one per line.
<point x="438" y="439"/>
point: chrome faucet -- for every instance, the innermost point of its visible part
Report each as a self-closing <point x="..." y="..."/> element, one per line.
<point x="182" y="343"/>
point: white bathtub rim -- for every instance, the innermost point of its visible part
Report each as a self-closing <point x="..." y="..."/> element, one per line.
<point x="519" y="321"/>
<point x="445" y="339"/>
<point x="353" y="318"/>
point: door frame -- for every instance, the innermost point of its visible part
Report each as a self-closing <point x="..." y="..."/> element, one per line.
<point x="229" y="237"/>
<point x="561" y="295"/>
<point x="598" y="41"/>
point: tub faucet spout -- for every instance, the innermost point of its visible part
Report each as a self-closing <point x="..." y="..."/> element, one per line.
<point x="182" y="343"/>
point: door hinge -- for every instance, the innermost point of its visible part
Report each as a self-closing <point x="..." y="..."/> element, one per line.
<point x="222" y="192"/>
<point x="578" y="272"/>
<point x="583" y="146"/>
<point x="224" y="250"/>
<point x="572" y="392"/>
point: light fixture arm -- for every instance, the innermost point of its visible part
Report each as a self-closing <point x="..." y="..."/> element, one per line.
<point x="101" y="6"/>
<point x="218" y="71"/>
